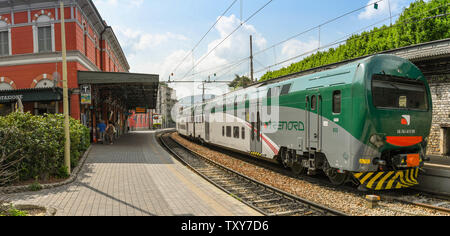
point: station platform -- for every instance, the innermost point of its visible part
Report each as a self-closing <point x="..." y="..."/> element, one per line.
<point x="443" y="161"/>
<point x="436" y="176"/>
<point x="135" y="177"/>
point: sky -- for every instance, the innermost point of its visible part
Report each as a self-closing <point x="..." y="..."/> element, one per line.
<point x="158" y="36"/>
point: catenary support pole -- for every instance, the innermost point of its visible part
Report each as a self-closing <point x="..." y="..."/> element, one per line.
<point x="251" y="58"/>
<point x="65" y="92"/>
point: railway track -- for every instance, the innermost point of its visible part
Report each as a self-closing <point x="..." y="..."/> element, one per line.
<point x="418" y="198"/>
<point x="265" y="199"/>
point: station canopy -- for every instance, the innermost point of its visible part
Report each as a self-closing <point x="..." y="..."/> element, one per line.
<point x="136" y="90"/>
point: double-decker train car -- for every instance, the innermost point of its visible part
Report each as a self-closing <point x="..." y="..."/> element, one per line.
<point x="367" y="121"/>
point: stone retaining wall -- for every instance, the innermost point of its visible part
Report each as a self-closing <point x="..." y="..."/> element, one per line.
<point x="440" y="91"/>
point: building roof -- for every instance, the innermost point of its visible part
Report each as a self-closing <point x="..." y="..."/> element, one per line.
<point x="137" y="90"/>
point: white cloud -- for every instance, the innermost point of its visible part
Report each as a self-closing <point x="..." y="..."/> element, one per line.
<point x="159" y="53"/>
<point x="236" y="46"/>
<point x="295" y="47"/>
<point x="232" y="49"/>
<point x="139" y="40"/>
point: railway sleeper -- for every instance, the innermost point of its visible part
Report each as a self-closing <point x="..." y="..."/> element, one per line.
<point x="288" y="213"/>
<point x="260" y="196"/>
<point x="237" y="190"/>
<point x="276" y="206"/>
<point x="267" y="201"/>
<point x="216" y="172"/>
<point x="221" y="179"/>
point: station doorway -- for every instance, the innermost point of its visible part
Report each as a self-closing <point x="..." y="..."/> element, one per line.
<point x="446" y="141"/>
<point x="113" y="96"/>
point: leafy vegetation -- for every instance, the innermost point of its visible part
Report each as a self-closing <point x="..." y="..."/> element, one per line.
<point x="240" y="81"/>
<point x="34" y="146"/>
<point x="9" y="210"/>
<point x="420" y="22"/>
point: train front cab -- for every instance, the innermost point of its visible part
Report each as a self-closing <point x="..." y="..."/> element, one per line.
<point x="398" y="124"/>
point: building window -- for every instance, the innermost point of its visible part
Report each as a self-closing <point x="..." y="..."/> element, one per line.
<point x="45" y="39"/>
<point x="44" y="34"/>
<point x="4" y="43"/>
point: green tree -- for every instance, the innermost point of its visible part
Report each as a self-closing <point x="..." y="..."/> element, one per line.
<point x="240" y="82"/>
<point x="419" y="23"/>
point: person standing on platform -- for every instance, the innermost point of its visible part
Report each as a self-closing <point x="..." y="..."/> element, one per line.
<point x="102" y="129"/>
<point x="110" y="131"/>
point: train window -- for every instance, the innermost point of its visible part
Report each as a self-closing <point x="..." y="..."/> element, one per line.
<point x="243" y="133"/>
<point x="285" y="90"/>
<point x="313" y="102"/>
<point x="236" y="132"/>
<point x="337" y="102"/>
<point x="269" y="93"/>
<point x="390" y="92"/>
<point x="229" y="131"/>
<point x="223" y="131"/>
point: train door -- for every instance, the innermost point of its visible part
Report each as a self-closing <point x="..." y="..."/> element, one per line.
<point x="187" y="127"/>
<point x="256" y="136"/>
<point x="207" y="131"/>
<point x="193" y="122"/>
<point x="314" y="120"/>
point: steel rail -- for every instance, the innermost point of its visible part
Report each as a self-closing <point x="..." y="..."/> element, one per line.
<point x="276" y="193"/>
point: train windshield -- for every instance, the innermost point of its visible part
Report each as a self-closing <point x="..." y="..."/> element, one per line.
<point x="391" y="92"/>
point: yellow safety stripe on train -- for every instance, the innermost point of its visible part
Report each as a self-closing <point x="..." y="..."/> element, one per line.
<point x="388" y="180"/>
<point x="256" y="154"/>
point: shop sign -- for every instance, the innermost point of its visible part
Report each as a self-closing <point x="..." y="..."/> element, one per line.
<point x="141" y="110"/>
<point x="86" y="94"/>
<point x="9" y="98"/>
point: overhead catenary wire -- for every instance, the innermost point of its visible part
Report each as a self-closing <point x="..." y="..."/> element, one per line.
<point x="317" y="27"/>
<point x="281" y="42"/>
<point x="347" y="40"/>
<point x="339" y="41"/>
<point x="229" y="35"/>
<point x="204" y="36"/>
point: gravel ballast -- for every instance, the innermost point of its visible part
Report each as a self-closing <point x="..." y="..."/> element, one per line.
<point x="341" y="200"/>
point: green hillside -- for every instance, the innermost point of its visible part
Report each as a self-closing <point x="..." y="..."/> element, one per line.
<point x="420" y="22"/>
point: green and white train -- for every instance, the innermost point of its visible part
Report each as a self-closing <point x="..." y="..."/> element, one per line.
<point x="367" y="121"/>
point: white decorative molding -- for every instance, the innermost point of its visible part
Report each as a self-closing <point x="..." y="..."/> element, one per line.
<point x="35" y="39"/>
<point x="10" y="42"/>
<point x="53" y="38"/>
<point x="42" y="58"/>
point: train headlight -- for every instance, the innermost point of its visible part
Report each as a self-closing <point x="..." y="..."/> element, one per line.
<point x="377" y="141"/>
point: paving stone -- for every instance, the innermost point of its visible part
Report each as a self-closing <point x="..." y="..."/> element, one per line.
<point x="135" y="177"/>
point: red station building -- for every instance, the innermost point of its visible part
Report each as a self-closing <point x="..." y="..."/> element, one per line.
<point x="31" y="63"/>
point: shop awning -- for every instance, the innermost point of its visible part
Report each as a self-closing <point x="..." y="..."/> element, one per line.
<point x="32" y="95"/>
<point x="137" y="90"/>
